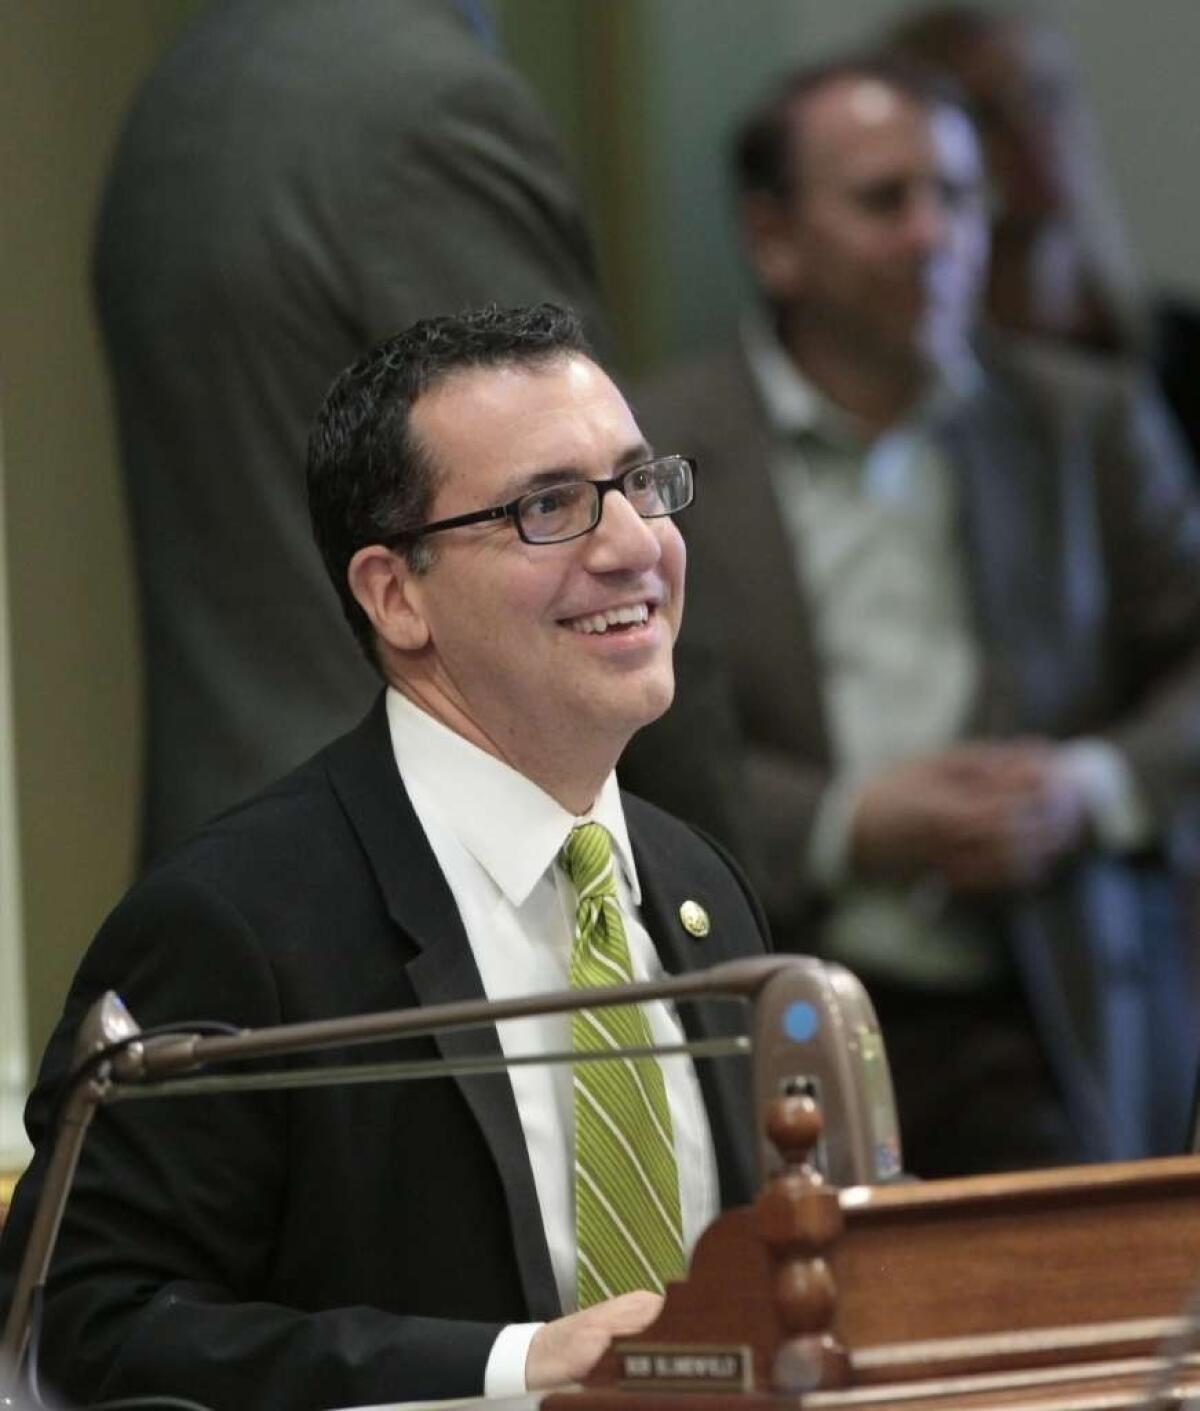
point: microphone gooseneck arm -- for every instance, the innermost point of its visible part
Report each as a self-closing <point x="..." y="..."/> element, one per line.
<point x="115" y="1063"/>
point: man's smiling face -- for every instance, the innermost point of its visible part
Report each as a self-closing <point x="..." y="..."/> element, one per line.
<point x="537" y="649"/>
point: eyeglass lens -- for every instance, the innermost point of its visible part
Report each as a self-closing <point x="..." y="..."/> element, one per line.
<point x="564" y="511"/>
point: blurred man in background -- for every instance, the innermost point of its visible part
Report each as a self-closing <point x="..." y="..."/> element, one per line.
<point x="953" y="596"/>
<point x="1062" y="266"/>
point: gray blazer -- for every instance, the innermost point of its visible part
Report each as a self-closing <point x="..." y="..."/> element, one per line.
<point x="297" y="180"/>
<point x="1083" y="546"/>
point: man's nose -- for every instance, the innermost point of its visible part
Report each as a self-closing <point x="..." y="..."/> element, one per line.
<point x="622" y="539"/>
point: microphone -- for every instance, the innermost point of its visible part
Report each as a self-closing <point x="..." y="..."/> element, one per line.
<point x="821" y="1039"/>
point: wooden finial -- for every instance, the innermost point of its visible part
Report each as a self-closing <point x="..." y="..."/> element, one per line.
<point x="794" y="1124"/>
<point x="798" y="1218"/>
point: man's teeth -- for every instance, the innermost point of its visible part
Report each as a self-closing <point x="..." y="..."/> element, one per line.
<point x="613" y="617"/>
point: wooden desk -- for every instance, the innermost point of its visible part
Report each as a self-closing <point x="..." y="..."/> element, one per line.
<point x="1045" y="1291"/>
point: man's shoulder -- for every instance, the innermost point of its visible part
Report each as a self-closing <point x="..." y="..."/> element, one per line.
<point x="1056" y="376"/>
<point x="349" y="86"/>
<point x="218" y="55"/>
<point x="294" y="838"/>
<point x="273" y="910"/>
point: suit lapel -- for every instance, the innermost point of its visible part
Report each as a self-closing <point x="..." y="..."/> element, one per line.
<point x="420" y="903"/>
<point x="1031" y="556"/>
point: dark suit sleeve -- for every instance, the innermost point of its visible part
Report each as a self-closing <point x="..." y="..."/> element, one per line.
<point x="175" y="1219"/>
<point x="1150" y="514"/>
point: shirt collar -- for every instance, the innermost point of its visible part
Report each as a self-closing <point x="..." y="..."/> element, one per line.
<point x="511" y="827"/>
<point x="793" y="404"/>
<point x="796" y="407"/>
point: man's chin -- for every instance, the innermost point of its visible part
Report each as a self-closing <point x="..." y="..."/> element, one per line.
<point x="656" y="701"/>
<point x="636" y="703"/>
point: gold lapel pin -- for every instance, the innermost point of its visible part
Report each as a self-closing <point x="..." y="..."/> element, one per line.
<point x="695" y="920"/>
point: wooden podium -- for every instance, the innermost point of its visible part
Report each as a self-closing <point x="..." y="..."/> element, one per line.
<point x="1045" y="1291"/>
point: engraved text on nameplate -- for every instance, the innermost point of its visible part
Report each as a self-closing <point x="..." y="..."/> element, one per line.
<point x="682" y="1368"/>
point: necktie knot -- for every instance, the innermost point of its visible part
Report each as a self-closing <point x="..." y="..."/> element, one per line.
<point x="587" y="859"/>
<point x="600" y="955"/>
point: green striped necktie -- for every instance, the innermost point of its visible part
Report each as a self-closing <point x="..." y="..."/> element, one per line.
<point x="627" y="1221"/>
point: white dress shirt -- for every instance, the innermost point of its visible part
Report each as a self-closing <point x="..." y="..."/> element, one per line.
<point x="497" y="836"/>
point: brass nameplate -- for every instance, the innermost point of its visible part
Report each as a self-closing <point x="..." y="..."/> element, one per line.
<point x="647" y="1366"/>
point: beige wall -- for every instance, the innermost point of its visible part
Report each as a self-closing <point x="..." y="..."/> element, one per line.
<point x="13" y="1063"/>
<point x="68" y="71"/>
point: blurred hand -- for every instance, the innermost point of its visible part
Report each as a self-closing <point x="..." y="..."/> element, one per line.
<point x="567" y="1349"/>
<point x="978" y="817"/>
<point x="1032" y="814"/>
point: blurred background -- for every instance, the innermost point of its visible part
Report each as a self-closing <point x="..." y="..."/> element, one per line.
<point x="642" y="93"/>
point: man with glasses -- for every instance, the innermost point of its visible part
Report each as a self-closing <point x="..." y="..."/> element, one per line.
<point x="501" y="537"/>
<point x="951" y="588"/>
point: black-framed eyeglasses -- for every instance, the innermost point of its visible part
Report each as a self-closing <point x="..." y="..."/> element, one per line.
<point x="568" y="509"/>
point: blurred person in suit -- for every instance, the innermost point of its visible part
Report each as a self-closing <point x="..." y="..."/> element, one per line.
<point x="296" y="180"/>
<point x="1061" y="264"/>
<point x="501" y="539"/>
<point x="949" y="593"/>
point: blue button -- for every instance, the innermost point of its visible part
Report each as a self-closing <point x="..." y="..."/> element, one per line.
<point x="801" y="1021"/>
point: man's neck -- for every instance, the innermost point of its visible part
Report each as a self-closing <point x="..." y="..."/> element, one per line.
<point x="572" y="776"/>
<point x="875" y="392"/>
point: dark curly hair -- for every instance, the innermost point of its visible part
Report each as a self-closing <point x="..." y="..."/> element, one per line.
<point x="369" y="478"/>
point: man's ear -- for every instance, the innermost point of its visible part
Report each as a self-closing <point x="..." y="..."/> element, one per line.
<point x="769" y="228"/>
<point x="383" y="585"/>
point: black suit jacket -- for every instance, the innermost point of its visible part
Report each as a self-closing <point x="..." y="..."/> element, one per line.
<point x="1080" y="533"/>
<point x="356" y="1244"/>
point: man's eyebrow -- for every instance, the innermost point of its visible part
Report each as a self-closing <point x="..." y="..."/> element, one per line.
<point x="635" y="455"/>
<point x="564" y="474"/>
